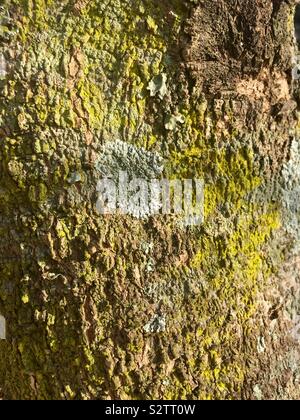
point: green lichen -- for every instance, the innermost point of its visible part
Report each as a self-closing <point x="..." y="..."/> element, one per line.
<point x="77" y="330"/>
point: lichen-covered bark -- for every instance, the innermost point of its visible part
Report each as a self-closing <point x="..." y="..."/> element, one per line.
<point x="101" y="307"/>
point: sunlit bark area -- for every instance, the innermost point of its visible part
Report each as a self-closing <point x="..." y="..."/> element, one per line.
<point x="144" y="306"/>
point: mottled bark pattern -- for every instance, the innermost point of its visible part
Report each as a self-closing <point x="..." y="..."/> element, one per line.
<point x="102" y="307"/>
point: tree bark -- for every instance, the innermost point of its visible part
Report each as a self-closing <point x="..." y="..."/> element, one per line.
<point x="118" y="307"/>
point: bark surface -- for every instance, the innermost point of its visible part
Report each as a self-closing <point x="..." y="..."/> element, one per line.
<point x="115" y="307"/>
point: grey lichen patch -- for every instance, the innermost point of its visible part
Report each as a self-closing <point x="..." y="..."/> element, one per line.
<point x="3" y="67"/>
<point x="147" y="247"/>
<point x="128" y="176"/>
<point x="150" y="267"/>
<point x="295" y="332"/>
<point x="291" y="195"/>
<point x="2" y="328"/>
<point x="156" y="324"/>
<point x="291" y="170"/>
<point x="172" y="121"/>
<point x="261" y="345"/>
<point x="137" y="162"/>
<point x="74" y="178"/>
<point x="257" y="392"/>
<point x="158" y="86"/>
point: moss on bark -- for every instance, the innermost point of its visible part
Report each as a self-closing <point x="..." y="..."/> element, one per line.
<point x="207" y="86"/>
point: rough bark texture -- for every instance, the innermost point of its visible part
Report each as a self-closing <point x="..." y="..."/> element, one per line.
<point x="101" y="307"/>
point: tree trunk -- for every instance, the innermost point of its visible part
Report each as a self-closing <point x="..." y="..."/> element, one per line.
<point x="121" y="307"/>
